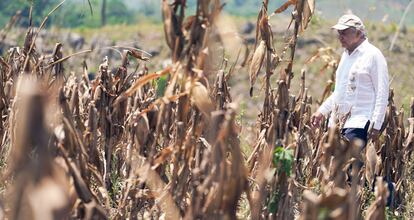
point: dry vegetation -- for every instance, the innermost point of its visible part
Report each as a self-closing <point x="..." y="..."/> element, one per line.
<point x="137" y="144"/>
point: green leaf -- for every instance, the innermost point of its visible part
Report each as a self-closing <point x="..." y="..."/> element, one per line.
<point x="274" y="202"/>
<point x="161" y="85"/>
<point x="283" y="158"/>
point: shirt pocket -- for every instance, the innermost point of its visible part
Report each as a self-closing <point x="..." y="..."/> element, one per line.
<point x="362" y="76"/>
<point x="357" y="75"/>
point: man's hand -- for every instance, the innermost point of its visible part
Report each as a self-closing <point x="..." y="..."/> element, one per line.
<point x="316" y="119"/>
<point x="374" y="135"/>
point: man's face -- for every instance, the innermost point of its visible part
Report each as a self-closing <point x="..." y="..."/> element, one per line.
<point x="349" y="38"/>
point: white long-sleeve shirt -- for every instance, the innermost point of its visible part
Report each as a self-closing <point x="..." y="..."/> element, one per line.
<point x="361" y="88"/>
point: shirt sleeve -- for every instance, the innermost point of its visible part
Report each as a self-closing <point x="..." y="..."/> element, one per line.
<point x="380" y="82"/>
<point x="327" y="105"/>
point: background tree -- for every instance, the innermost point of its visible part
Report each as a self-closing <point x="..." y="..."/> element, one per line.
<point x="40" y="8"/>
<point x="103" y="13"/>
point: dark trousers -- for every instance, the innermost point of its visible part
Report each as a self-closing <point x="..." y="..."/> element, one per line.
<point x="362" y="133"/>
<point x="357" y="133"/>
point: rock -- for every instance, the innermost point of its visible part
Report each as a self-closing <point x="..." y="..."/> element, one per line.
<point x="6" y="44"/>
<point x="75" y="41"/>
<point x="250" y="40"/>
<point x="247" y="28"/>
<point x="101" y="46"/>
<point x="397" y="48"/>
<point x="306" y="42"/>
<point x="404" y="29"/>
<point x="154" y="52"/>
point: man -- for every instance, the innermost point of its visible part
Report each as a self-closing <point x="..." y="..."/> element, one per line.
<point x="361" y="90"/>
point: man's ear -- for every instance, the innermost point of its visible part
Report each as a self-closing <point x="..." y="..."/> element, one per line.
<point x="359" y="33"/>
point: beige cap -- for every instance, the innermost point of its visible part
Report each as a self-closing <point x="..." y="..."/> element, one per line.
<point x="347" y="21"/>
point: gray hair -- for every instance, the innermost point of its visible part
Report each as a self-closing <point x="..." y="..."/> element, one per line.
<point x="361" y="30"/>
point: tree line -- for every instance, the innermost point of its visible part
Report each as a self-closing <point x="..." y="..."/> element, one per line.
<point x="76" y="13"/>
<point x="96" y="13"/>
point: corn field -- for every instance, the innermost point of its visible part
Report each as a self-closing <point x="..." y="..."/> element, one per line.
<point x="165" y="144"/>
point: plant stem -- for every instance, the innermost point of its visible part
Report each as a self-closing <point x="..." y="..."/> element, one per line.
<point x="397" y="32"/>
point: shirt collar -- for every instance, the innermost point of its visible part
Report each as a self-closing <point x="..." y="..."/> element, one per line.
<point x="360" y="47"/>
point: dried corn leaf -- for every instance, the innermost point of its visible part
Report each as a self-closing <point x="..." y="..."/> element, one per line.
<point x="142" y="129"/>
<point x="167" y="15"/>
<point x="377" y="208"/>
<point x="308" y="10"/>
<point x="145" y="79"/>
<point x="285" y="6"/>
<point x="139" y="55"/>
<point x="163" y="156"/>
<point x="141" y="82"/>
<point x="256" y="64"/>
<point x="158" y="188"/>
<point x="371" y="158"/>
<point x="328" y="52"/>
<point x="162" y="100"/>
<point x="266" y="31"/>
<point x="201" y="99"/>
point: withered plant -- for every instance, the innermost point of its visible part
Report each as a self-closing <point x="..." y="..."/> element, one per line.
<point x="135" y="143"/>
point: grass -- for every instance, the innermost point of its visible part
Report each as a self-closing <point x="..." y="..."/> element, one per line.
<point x="408" y="212"/>
<point x="120" y="31"/>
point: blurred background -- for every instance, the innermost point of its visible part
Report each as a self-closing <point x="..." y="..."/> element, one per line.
<point x="76" y="13"/>
<point x="104" y="24"/>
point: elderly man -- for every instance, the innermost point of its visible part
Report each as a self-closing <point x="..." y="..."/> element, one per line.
<point x="361" y="88"/>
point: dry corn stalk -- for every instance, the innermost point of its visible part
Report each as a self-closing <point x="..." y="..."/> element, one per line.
<point x="377" y="209"/>
<point x="119" y="149"/>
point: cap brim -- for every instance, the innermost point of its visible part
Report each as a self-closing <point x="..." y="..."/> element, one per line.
<point x="340" y="27"/>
